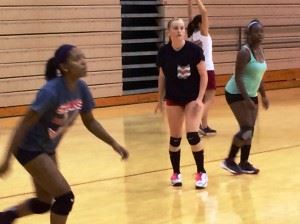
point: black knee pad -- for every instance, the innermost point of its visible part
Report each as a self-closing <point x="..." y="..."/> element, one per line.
<point x="175" y="142"/>
<point x="193" y="138"/>
<point x="38" y="207"/>
<point x="245" y="133"/>
<point x="63" y="204"/>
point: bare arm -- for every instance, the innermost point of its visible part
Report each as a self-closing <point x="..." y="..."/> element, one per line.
<point x="203" y="11"/>
<point x="265" y="100"/>
<point x="243" y="57"/>
<point x="28" y="121"/>
<point x="262" y="89"/>
<point x="161" y="85"/>
<point x="203" y="79"/>
<point x="161" y="89"/>
<point x="190" y="10"/>
<point x="96" y="129"/>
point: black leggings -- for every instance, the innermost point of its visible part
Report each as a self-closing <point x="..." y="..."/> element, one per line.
<point x="244" y="116"/>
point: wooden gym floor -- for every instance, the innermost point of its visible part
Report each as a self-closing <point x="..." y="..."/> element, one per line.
<point x="138" y="191"/>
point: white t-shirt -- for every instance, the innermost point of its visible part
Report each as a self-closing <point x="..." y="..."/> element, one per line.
<point x="206" y="47"/>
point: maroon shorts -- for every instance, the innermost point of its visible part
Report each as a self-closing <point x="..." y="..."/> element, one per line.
<point x="211" y="83"/>
<point x="176" y="103"/>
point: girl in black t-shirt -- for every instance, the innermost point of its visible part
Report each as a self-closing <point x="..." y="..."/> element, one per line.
<point x="182" y="83"/>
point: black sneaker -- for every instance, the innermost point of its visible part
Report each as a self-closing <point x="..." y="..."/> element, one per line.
<point x="7" y="217"/>
<point x="201" y="132"/>
<point x="248" y="168"/>
<point x="207" y="131"/>
<point x="231" y="166"/>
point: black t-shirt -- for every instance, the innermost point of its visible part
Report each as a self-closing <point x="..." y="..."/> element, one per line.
<point x="180" y="70"/>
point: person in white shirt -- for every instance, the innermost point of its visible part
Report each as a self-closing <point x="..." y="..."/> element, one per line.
<point x="198" y="33"/>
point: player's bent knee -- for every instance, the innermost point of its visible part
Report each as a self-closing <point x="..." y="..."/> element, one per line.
<point x="193" y="138"/>
<point x="245" y="133"/>
<point x="238" y="141"/>
<point x="63" y="204"/>
<point x="38" y="207"/>
<point x="175" y="142"/>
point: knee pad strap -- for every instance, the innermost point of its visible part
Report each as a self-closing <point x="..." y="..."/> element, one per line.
<point x="63" y="204"/>
<point x="193" y="138"/>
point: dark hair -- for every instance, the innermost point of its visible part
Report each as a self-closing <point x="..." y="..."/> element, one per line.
<point x="250" y="25"/>
<point x="51" y="72"/>
<point x="194" y="25"/>
<point x="60" y="56"/>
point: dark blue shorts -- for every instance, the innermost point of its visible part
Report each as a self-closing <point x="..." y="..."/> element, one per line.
<point x="25" y="156"/>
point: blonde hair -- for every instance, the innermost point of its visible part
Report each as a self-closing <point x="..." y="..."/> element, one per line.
<point x="173" y="20"/>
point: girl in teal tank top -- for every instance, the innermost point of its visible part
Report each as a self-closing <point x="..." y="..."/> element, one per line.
<point x="251" y="76"/>
<point x="241" y="95"/>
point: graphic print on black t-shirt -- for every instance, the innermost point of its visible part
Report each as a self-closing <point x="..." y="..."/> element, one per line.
<point x="180" y="69"/>
<point x="64" y="118"/>
<point x="183" y="72"/>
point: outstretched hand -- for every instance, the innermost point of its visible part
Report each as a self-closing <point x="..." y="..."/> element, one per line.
<point x="121" y="151"/>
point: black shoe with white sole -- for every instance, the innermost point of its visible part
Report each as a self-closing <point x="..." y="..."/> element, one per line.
<point x="231" y="166"/>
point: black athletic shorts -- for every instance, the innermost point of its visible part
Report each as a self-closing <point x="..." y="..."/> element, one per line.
<point x="231" y="98"/>
<point x="25" y="156"/>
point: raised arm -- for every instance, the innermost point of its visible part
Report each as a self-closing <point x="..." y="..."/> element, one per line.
<point x="203" y="11"/>
<point x="190" y="10"/>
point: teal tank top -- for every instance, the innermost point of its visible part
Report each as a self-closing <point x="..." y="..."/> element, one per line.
<point x="251" y="77"/>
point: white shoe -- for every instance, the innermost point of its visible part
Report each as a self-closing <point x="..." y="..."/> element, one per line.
<point x="201" y="180"/>
<point x="176" y="180"/>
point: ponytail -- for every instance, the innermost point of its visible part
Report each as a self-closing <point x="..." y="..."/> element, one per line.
<point x="60" y="56"/>
<point x="51" y="69"/>
<point x="190" y="29"/>
<point x="194" y="25"/>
